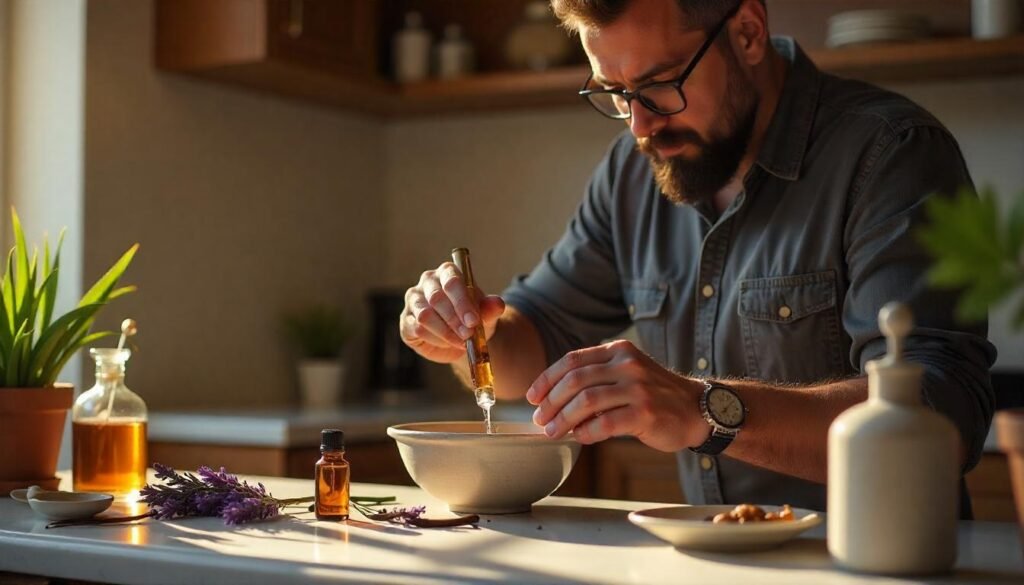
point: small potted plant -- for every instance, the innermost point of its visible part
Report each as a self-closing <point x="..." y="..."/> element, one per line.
<point x="318" y="334"/>
<point x="982" y="254"/>
<point x="35" y="344"/>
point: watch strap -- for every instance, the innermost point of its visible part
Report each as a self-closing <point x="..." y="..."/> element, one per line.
<point x="715" y="443"/>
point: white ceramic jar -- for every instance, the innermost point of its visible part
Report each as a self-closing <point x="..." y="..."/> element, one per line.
<point x="991" y="19"/>
<point x="411" y="50"/>
<point x="454" y="54"/>
<point x="893" y="471"/>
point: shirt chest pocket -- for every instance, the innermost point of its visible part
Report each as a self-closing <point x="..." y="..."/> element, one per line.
<point x="646" y="305"/>
<point x="791" y="327"/>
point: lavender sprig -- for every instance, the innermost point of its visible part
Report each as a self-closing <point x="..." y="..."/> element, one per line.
<point x="213" y="493"/>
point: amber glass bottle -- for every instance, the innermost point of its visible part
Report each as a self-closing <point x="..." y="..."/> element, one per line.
<point x="109" y="430"/>
<point x="332" y="476"/>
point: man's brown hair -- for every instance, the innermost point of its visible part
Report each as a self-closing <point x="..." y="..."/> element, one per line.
<point x="597" y="13"/>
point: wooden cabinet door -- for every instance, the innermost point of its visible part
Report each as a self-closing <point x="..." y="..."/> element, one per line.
<point x="338" y="35"/>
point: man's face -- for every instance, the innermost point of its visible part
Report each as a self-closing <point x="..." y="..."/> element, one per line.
<point x="693" y="153"/>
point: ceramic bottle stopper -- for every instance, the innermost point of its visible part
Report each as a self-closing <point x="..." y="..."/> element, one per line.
<point x="411" y="50"/>
<point x="893" y="470"/>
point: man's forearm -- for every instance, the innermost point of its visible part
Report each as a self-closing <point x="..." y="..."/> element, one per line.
<point x="786" y="429"/>
<point x="517" y="356"/>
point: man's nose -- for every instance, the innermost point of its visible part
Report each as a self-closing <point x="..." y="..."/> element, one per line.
<point x="644" y="123"/>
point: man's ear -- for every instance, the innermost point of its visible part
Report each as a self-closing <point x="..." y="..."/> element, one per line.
<point x="748" y="32"/>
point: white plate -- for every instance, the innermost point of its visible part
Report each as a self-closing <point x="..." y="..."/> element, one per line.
<point x="686" y="527"/>
<point x="870" y="36"/>
<point x="64" y="505"/>
<point x="857" y="18"/>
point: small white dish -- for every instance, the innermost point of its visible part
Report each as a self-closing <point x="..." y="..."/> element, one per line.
<point x="686" y="527"/>
<point x="63" y="505"/>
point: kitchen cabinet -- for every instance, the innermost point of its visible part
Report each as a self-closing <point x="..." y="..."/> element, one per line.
<point x="991" y="490"/>
<point x="318" y="50"/>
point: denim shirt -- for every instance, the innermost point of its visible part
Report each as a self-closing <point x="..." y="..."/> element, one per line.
<point x="786" y="284"/>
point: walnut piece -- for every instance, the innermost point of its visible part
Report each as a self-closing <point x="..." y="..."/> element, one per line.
<point x="745" y="513"/>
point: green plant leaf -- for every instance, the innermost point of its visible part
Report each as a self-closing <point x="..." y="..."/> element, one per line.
<point x="49" y="376"/>
<point x="14" y="364"/>
<point x="1018" y="318"/>
<point x="35" y="346"/>
<point x="317" y="331"/>
<point x="1015" y="230"/>
<point x="59" y="334"/>
<point x="973" y="249"/>
<point x="8" y="293"/>
<point x="100" y="291"/>
<point x="20" y="264"/>
<point x="120" y="292"/>
<point x="48" y="289"/>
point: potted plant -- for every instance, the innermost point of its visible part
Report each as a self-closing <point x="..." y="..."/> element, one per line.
<point x="982" y="253"/>
<point x="318" y="333"/>
<point x="35" y="344"/>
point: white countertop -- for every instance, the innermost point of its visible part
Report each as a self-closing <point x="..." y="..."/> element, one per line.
<point x="301" y="428"/>
<point x="563" y="540"/>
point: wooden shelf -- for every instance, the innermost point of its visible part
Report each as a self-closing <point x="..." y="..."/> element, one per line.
<point x="493" y="91"/>
<point x="933" y="60"/>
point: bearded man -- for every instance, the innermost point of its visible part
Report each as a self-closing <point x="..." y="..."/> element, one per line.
<point x="750" y="224"/>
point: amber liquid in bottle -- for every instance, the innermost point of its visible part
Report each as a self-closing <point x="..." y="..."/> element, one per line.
<point x="109" y="456"/>
<point x="332" y="491"/>
<point x="476" y="346"/>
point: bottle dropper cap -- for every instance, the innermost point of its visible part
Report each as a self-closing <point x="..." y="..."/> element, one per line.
<point x="892" y="377"/>
<point x="332" y="440"/>
<point x="460" y="256"/>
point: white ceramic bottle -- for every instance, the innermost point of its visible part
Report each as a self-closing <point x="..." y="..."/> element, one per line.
<point x="410" y="50"/>
<point x="893" y="470"/>
<point x="454" y="54"/>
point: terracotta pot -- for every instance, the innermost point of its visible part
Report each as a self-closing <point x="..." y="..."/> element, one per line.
<point x="1010" y="432"/>
<point x="31" y="428"/>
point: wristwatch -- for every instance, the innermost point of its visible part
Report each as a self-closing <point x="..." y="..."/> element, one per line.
<point x="722" y="408"/>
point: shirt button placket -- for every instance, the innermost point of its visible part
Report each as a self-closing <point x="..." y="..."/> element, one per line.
<point x="712" y="263"/>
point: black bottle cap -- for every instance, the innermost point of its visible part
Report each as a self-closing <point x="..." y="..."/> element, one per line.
<point x="332" y="440"/>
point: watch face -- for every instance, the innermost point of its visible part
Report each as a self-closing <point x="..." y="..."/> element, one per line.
<point x="725" y="407"/>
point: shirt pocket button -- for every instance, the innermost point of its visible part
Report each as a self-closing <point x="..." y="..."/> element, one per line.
<point x="785" y="312"/>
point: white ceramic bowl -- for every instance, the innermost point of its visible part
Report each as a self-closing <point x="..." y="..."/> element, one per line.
<point x="477" y="473"/>
<point x="63" y="505"/>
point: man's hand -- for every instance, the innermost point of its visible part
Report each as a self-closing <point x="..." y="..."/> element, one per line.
<point x="440" y="315"/>
<point x="614" y="390"/>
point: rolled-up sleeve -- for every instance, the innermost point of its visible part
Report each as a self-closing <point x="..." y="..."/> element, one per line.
<point x="573" y="296"/>
<point x="886" y="262"/>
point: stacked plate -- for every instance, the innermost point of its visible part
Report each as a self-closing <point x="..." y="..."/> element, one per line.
<point x="875" y="26"/>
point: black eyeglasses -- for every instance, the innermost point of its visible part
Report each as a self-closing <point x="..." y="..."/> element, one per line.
<point x="661" y="97"/>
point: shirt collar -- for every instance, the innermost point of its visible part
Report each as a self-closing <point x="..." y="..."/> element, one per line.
<point x="789" y="132"/>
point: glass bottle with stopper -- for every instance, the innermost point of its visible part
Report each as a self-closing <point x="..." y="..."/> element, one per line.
<point x="108" y="424"/>
<point x="476" y="346"/>
<point x="893" y="470"/>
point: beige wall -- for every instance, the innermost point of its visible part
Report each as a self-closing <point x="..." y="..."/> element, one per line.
<point x="243" y="204"/>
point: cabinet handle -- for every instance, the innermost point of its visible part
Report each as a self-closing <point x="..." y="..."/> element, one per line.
<point x="294" y="28"/>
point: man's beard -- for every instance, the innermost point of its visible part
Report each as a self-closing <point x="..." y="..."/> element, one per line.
<point x="696" y="180"/>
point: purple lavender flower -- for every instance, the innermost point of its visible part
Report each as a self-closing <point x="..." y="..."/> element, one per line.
<point x="213" y="493"/>
<point x="248" y="510"/>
